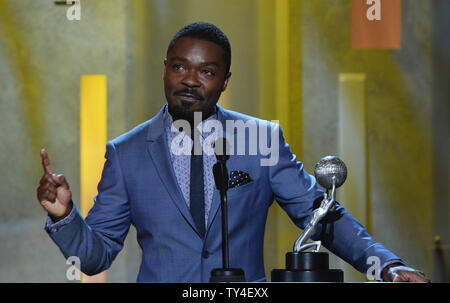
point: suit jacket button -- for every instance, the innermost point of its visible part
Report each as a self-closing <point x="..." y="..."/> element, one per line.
<point x="205" y="254"/>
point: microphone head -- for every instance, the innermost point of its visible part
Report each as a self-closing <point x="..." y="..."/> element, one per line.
<point x="220" y="173"/>
<point x="329" y="170"/>
<point x="222" y="149"/>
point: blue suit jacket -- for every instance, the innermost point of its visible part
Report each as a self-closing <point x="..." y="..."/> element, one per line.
<point x="138" y="186"/>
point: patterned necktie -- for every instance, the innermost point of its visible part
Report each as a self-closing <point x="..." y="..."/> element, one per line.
<point x="197" y="193"/>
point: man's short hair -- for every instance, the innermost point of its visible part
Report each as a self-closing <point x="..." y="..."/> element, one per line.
<point x="208" y="32"/>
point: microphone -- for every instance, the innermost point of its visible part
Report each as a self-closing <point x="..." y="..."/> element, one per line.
<point x="220" y="171"/>
<point x="222" y="149"/>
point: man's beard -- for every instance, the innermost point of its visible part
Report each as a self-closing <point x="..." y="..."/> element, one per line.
<point x="185" y="112"/>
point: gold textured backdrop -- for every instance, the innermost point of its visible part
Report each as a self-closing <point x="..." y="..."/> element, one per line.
<point x="286" y="59"/>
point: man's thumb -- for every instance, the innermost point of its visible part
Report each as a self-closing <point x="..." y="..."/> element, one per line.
<point x="60" y="180"/>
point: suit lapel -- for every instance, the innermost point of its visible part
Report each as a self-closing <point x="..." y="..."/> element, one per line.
<point x="215" y="203"/>
<point x="159" y="153"/>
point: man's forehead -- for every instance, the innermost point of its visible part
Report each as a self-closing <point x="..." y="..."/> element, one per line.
<point x="196" y="49"/>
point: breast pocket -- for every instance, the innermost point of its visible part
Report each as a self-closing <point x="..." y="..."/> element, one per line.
<point x="241" y="189"/>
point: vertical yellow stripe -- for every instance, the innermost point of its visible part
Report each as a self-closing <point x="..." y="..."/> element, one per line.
<point x="93" y="136"/>
<point x="282" y="64"/>
<point x="266" y="64"/>
<point x="295" y="79"/>
<point x="352" y="147"/>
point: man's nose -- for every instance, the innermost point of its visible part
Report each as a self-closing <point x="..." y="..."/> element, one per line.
<point x="190" y="79"/>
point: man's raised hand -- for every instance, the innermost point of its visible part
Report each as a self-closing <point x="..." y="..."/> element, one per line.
<point x="53" y="192"/>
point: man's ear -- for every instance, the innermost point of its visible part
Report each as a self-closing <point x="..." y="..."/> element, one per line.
<point x="165" y="66"/>
<point x="225" y="83"/>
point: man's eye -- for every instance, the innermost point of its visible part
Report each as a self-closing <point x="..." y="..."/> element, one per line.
<point x="178" y="67"/>
<point x="208" y="72"/>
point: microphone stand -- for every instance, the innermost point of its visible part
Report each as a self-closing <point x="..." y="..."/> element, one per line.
<point x="224" y="274"/>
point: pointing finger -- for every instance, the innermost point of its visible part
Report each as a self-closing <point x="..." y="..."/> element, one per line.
<point x="46" y="161"/>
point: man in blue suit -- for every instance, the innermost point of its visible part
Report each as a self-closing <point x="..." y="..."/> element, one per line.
<point x="170" y="196"/>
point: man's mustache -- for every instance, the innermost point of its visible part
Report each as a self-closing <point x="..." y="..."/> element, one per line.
<point x="189" y="91"/>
